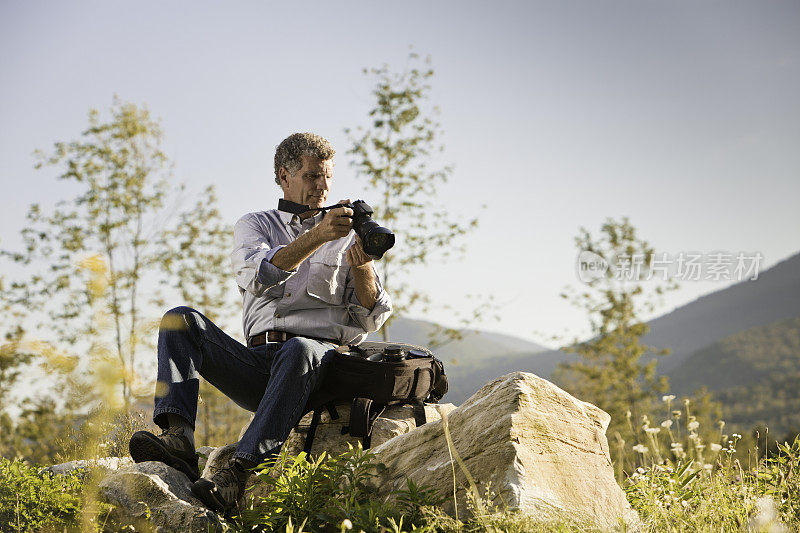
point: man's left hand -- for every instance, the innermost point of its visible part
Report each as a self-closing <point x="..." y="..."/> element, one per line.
<point x="356" y="256"/>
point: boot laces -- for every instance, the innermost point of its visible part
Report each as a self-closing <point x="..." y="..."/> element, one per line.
<point x="174" y="438"/>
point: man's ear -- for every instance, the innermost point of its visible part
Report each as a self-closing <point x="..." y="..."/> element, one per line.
<point x="283" y="175"/>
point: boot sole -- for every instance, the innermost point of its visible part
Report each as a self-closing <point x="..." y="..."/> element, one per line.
<point x="145" y="446"/>
<point x="203" y="489"/>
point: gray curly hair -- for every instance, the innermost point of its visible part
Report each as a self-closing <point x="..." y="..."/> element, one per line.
<point x="289" y="152"/>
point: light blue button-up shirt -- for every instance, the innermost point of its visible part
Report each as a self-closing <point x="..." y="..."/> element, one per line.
<point x="316" y="300"/>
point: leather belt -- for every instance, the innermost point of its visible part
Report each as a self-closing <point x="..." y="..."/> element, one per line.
<point x="279" y="336"/>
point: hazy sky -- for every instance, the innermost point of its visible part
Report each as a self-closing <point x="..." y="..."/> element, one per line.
<point x="683" y="116"/>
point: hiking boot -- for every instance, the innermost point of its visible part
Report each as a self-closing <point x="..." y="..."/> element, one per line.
<point x="172" y="447"/>
<point x="221" y="493"/>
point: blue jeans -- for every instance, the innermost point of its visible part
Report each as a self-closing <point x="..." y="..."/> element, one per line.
<point x="273" y="380"/>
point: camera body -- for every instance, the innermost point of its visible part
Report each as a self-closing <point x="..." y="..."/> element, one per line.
<point x="375" y="239"/>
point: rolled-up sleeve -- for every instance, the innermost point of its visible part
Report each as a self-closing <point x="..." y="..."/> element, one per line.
<point x="369" y="319"/>
<point x="251" y="256"/>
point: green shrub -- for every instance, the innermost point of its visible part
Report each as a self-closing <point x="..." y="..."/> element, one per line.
<point x="332" y="493"/>
<point x="692" y="495"/>
<point x="324" y="491"/>
<point x="30" y="500"/>
<point x="779" y="478"/>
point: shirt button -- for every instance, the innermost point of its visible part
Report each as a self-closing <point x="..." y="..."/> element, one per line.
<point x="288" y="294"/>
<point x="277" y="315"/>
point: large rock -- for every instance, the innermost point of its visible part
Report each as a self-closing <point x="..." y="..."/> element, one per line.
<point x="158" y="494"/>
<point x="544" y="452"/>
<point x="83" y="465"/>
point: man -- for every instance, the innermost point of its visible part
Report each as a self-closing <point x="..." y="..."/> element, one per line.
<point x="307" y="287"/>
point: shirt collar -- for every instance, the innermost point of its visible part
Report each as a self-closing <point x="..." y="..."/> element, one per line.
<point x="288" y="218"/>
<point x="285" y="217"/>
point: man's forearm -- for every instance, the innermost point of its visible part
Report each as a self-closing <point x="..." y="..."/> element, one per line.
<point x="366" y="286"/>
<point x="290" y="256"/>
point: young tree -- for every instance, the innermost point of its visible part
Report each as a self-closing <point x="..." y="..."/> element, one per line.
<point x="120" y="172"/>
<point x="395" y="154"/>
<point x="610" y="371"/>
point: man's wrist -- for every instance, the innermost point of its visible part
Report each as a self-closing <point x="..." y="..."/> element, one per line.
<point x="316" y="237"/>
<point x="366" y="268"/>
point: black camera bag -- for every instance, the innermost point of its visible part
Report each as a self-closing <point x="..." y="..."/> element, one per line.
<point x="372" y="385"/>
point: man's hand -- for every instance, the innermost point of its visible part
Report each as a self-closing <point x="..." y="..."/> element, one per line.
<point x="356" y="256"/>
<point x="336" y="224"/>
<point x="363" y="275"/>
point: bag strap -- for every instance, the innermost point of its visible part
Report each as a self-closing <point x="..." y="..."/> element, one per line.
<point x="363" y="413"/>
<point x="312" y="429"/>
<point x="419" y="413"/>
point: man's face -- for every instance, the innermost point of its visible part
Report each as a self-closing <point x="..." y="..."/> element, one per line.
<point x="309" y="185"/>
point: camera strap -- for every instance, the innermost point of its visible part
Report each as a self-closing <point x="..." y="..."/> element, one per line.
<point x="298" y="209"/>
<point x="292" y="207"/>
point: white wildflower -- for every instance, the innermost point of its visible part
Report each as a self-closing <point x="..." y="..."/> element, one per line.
<point x="715" y="447"/>
<point x="652" y="431"/>
<point x="640" y="448"/>
<point x="666" y="424"/>
<point x="668" y="398"/>
<point x="347" y="524"/>
<point x="766" y="517"/>
<point x="693" y="425"/>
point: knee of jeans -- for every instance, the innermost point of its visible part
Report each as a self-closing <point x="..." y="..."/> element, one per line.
<point x="175" y="319"/>
<point x="304" y="352"/>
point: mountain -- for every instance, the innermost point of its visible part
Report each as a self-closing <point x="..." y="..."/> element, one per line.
<point x="774" y="296"/>
<point x="741" y="359"/>
<point x="753" y="373"/>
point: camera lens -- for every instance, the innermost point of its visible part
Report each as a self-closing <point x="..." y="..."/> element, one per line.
<point x="393" y="353"/>
<point x="377" y="240"/>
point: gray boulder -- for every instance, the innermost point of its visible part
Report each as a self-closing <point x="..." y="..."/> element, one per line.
<point x="543" y="452"/>
<point x="104" y="463"/>
<point x="158" y="494"/>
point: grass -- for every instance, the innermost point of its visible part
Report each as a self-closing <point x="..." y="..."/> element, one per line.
<point x="675" y="490"/>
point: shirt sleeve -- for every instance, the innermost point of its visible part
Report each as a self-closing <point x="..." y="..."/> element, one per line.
<point x="368" y="319"/>
<point x="251" y="256"/>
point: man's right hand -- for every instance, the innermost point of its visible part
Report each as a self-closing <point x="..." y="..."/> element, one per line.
<point x="335" y="224"/>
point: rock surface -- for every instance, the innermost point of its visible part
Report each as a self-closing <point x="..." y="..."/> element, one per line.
<point x="158" y="494"/>
<point x="106" y="463"/>
<point x="544" y="452"/>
